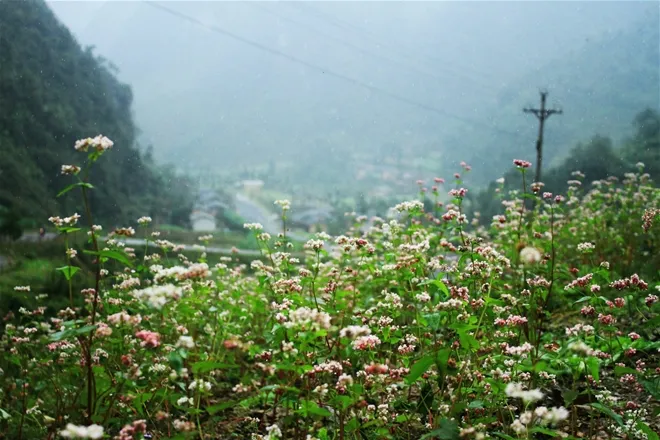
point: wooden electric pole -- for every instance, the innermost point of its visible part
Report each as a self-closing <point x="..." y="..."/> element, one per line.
<point x="542" y="114"/>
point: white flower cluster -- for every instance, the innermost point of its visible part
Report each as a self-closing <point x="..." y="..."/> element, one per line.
<point x="74" y="431"/>
<point x="284" y="204"/>
<point x="541" y="416"/>
<point x="516" y="390"/>
<point x="158" y="296"/>
<point x="409" y="206"/>
<point x="354" y="331"/>
<point x="305" y="316"/>
<point x="99" y="143"/>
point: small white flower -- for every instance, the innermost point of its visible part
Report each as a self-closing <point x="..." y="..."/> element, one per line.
<point x="91" y="432"/>
<point x="530" y="255"/>
<point x="186" y="342"/>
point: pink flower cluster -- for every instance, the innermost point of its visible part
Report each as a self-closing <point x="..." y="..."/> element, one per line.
<point x="522" y="163"/>
<point x="629" y="282"/>
<point x="512" y="320"/>
<point x="149" y="339"/>
<point x="129" y="432"/>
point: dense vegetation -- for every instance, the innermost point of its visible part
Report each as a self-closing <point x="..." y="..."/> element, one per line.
<point x="52" y="92"/>
<point x="542" y="325"/>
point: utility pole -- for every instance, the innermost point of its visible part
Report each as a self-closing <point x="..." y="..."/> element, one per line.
<point x="542" y="114"/>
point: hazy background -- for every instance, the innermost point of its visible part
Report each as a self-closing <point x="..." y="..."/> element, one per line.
<point x="206" y="100"/>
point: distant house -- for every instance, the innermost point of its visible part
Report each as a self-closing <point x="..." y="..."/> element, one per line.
<point x="203" y="221"/>
<point x="253" y="186"/>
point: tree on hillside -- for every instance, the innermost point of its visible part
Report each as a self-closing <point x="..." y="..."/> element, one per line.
<point x="644" y="146"/>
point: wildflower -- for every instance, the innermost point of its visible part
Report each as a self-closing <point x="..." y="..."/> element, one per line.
<point x="314" y="244"/>
<point x="100" y="143"/>
<point x="73" y="431"/>
<point x="273" y="432"/>
<point x="253" y="226"/>
<point x="409" y="206"/>
<point x="129" y="432"/>
<point x="284" y="204"/>
<point x="149" y="339"/>
<point x="366" y="342"/>
<point x="22" y="288"/>
<point x="186" y="342"/>
<point x="522" y="163"/>
<point x="144" y="221"/>
<point x="423" y="297"/>
<point x="201" y="385"/>
<point x="585" y="247"/>
<point x="648" y="217"/>
<point x="516" y="390"/>
<point x="354" y="331"/>
<point x="126" y="232"/>
<point x="70" y="170"/>
<point x="581" y="348"/>
<point x="530" y="255"/>
<point x="185" y="401"/>
<point x="344" y="380"/>
<point x="103" y="330"/>
<point x="71" y="253"/>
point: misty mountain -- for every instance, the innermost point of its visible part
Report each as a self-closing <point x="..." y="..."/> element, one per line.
<point x="600" y="87"/>
<point x="53" y="92"/>
<point x="328" y="86"/>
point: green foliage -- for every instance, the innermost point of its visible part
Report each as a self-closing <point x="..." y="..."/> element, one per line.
<point x="52" y="92"/>
<point x="10" y="224"/>
<point x="375" y="339"/>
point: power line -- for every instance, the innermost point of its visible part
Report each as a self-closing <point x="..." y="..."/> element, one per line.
<point x="405" y="51"/>
<point x="328" y="72"/>
<point x="347" y="44"/>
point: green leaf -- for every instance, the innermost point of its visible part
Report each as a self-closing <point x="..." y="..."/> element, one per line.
<point x="551" y="432"/>
<point x="4" y="414"/>
<point x="569" y="396"/>
<point x="448" y="430"/>
<point x="310" y="407"/>
<point x="468" y="341"/>
<point x="420" y="368"/>
<point x="206" y="366"/>
<point x="605" y="410"/>
<point x="213" y="409"/>
<point x="652" y="387"/>
<point x="74" y="185"/>
<point x="620" y="371"/>
<point x="68" y="271"/>
<point x="646" y="429"/>
<point x="176" y="361"/>
<point x="64" y="334"/>
<point x="593" y="365"/>
<point x="116" y="255"/>
<point x="476" y="404"/>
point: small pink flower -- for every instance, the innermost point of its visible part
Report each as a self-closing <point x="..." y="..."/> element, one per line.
<point x="522" y="163"/>
<point x="634" y="336"/>
<point x="149" y="339"/>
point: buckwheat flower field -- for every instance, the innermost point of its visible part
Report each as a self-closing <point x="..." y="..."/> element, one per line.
<point x="421" y="326"/>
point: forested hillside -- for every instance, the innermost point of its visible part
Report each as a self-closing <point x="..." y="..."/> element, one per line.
<point x="53" y="92"/>
<point x="597" y="159"/>
<point x="601" y="86"/>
